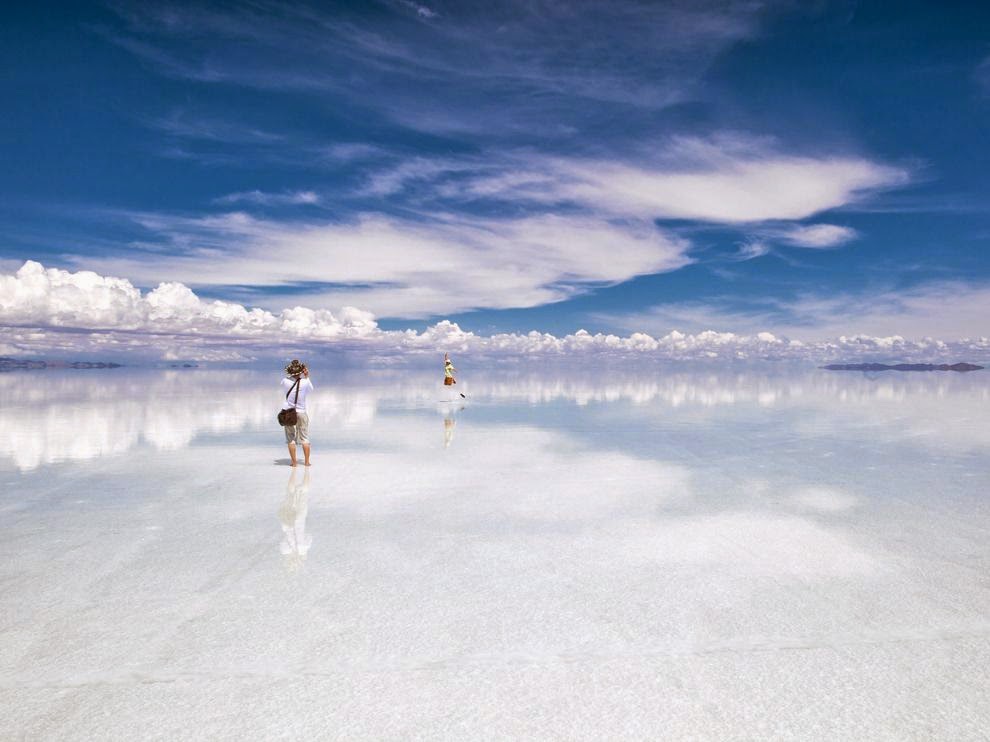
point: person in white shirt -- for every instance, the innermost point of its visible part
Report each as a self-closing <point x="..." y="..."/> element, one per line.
<point x="296" y="387"/>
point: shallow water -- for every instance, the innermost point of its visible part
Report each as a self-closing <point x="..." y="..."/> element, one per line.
<point x="673" y="554"/>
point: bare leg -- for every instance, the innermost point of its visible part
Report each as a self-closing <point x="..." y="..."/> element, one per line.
<point x="305" y="453"/>
<point x="292" y="453"/>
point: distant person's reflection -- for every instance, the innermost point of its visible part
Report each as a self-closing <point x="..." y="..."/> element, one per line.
<point x="449" y="422"/>
<point x="292" y="513"/>
<point x="448" y="430"/>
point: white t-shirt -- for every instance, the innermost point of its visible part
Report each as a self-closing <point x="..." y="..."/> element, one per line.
<point x="305" y="387"/>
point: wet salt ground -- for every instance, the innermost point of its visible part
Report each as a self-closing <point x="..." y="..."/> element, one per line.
<point x="669" y="555"/>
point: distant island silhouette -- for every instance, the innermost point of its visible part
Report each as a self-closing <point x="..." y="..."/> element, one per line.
<point x="12" y="364"/>
<point x="902" y="367"/>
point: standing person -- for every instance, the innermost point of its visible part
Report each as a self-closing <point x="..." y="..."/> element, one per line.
<point x="448" y="370"/>
<point x="296" y="387"/>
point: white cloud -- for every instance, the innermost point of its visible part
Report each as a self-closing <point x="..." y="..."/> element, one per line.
<point x="813" y="236"/>
<point x="728" y="179"/>
<point x="421" y="10"/>
<point x="262" y="198"/>
<point x="744" y="191"/>
<point x="574" y="224"/>
<point x="816" y="236"/>
<point x="752" y="249"/>
<point x="507" y="67"/>
<point x="689" y="317"/>
<point x="532" y="79"/>
<point x="52" y="311"/>
<point x="180" y="124"/>
<point x="36" y="296"/>
<point x="407" y="268"/>
<point x="351" y="151"/>
<point x="938" y="309"/>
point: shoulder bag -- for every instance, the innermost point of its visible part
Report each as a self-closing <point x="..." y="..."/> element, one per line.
<point x="289" y="416"/>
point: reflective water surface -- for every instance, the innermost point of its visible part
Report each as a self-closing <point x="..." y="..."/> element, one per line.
<point x="672" y="554"/>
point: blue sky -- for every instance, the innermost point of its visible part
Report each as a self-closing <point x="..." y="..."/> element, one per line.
<point x="808" y="169"/>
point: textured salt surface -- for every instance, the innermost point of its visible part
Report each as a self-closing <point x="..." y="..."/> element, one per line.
<point x="735" y="556"/>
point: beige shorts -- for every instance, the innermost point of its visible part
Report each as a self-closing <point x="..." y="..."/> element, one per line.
<point x="298" y="433"/>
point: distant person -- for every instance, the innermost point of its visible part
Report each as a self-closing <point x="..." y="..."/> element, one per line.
<point x="296" y="387"/>
<point x="448" y="370"/>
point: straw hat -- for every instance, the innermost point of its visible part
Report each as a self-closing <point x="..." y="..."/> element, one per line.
<point x="295" y="368"/>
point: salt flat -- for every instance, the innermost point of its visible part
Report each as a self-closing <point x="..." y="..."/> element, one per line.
<point x="667" y="554"/>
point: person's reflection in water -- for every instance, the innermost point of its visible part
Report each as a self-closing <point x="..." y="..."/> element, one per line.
<point x="448" y="427"/>
<point x="448" y="430"/>
<point x="292" y="513"/>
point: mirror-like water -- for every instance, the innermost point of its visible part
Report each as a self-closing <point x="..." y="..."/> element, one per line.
<point x="710" y="555"/>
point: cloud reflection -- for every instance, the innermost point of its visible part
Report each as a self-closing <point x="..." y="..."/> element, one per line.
<point x="81" y="416"/>
<point x="76" y="416"/>
<point x="572" y="528"/>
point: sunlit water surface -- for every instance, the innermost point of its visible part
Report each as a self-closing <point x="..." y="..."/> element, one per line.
<point x="662" y="555"/>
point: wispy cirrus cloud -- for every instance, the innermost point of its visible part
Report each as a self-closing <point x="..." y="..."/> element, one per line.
<point x="215" y="139"/>
<point x="816" y="236"/>
<point x="399" y="266"/>
<point x="450" y="234"/>
<point x="534" y="210"/>
<point x="264" y="198"/>
<point x="729" y="179"/>
<point x="495" y="225"/>
<point x="506" y="68"/>
<point x="751" y="249"/>
<point x="423" y="11"/>
<point x="183" y="125"/>
<point x="810" y="236"/>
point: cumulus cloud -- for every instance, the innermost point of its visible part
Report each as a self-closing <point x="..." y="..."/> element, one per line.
<point x="46" y="311"/>
<point x="56" y="298"/>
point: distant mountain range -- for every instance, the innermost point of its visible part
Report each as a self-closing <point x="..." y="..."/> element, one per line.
<point x="902" y="367"/>
<point x="16" y="364"/>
